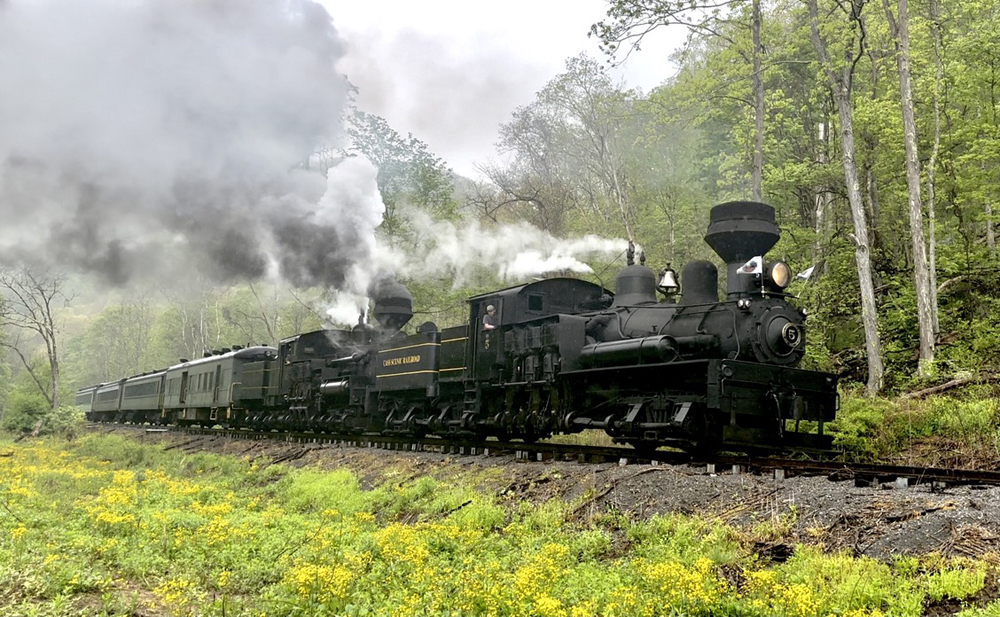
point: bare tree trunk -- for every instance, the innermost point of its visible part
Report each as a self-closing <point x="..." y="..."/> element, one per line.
<point x="931" y="168"/>
<point x="842" y="83"/>
<point x="29" y="306"/>
<point x="272" y="339"/>
<point x="901" y="32"/>
<point x="871" y="187"/>
<point x="757" y="169"/>
<point x="862" y="256"/>
<point x="991" y="241"/>
<point x="621" y="199"/>
<point x="822" y="201"/>
<point x="668" y="210"/>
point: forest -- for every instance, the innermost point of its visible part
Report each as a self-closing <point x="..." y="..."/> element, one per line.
<point x="871" y="126"/>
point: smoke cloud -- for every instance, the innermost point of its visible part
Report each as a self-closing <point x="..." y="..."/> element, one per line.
<point x="460" y="252"/>
<point x="153" y="137"/>
<point x="169" y="140"/>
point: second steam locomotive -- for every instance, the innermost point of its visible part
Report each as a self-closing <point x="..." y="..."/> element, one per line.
<point x="560" y="355"/>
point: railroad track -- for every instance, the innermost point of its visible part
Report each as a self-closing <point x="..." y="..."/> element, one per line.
<point x="863" y="474"/>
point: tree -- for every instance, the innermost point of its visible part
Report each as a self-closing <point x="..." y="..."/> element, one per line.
<point x="900" y="30"/>
<point x="932" y="167"/>
<point x="569" y="150"/>
<point x="409" y="175"/>
<point x="841" y="77"/>
<point x="115" y="342"/>
<point x="29" y="307"/>
<point x="631" y="20"/>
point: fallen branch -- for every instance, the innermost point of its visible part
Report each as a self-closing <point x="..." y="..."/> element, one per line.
<point x="954" y="383"/>
<point x="9" y="511"/>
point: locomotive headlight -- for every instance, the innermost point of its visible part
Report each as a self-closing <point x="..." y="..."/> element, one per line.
<point x="779" y="275"/>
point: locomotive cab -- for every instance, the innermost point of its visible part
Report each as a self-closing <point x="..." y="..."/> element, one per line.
<point x="520" y="311"/>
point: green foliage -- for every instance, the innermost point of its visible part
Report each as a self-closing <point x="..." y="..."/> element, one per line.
<point x="24" y="412"/>
<point x="959" y="580"/>
<point x="133" y="528"/>
<point x="409" y="175"/>
<point x="878" y="427"/>
<point x="114" y="344"/>
<point x="683" y="539"/>
<point x="848" y="583"/>
<point x="861" y="424"/>
<point x="990" y="610"/>
<point x="315" y="491"/>
<point x="711" y="91"/>
<point x="138" y="335"/>
<point x="969" y="421"/>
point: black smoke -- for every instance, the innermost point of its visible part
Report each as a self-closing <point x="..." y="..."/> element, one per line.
<point x="159" y="137"/>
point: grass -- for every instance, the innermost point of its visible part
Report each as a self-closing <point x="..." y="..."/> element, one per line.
<point x="877" y="428"/>
<point x="105" y="526"/>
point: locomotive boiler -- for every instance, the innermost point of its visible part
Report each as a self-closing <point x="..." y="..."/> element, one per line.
<point x="660" y="361"/>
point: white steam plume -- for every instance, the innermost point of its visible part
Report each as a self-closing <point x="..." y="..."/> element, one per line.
<point x="457" y="252"/>
<point x="514" y="251"/>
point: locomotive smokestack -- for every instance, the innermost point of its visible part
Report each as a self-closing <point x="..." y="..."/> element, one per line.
<point x="393" y="303"/>
<point x="737" y="232"/>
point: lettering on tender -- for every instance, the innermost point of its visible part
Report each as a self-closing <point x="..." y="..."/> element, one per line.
<point x="401" y="361"/>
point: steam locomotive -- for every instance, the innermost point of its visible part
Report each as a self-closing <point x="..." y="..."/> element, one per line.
<point x="563" y="356"/>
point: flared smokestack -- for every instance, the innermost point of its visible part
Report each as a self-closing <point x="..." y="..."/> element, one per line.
<point x="393" y="304"/>
<point x="737" y="232"/>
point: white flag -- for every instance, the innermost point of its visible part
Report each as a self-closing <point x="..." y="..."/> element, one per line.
<point x="805" y="274"/>
<point x="754" y="266"/>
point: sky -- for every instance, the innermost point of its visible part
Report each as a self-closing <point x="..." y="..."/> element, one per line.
<point x="451" y="71"/>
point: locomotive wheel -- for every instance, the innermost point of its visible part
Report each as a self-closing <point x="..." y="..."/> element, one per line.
<point x="704" y="434"/>
<point x="415" y="429"/>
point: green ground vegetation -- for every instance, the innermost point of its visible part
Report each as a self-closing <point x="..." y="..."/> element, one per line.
<point x="101" y="525"/>
<point x="880" y="428"/>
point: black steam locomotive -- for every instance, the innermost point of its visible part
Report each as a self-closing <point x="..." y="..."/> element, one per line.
<point x="561" y="355"/>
